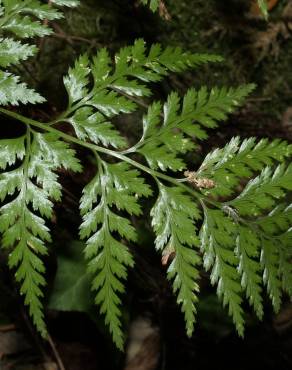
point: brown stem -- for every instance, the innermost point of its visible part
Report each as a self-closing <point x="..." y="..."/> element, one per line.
<point x="56" y="353"/>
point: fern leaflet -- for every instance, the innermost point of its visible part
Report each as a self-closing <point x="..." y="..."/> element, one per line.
<point x="115" y="186"/>
<point x="173" y="220"/>
<point x="21" y="19"/>
<point x="33" y="186"/>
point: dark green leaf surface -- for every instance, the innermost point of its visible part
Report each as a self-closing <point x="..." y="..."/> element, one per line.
<point x="71" y="290"/>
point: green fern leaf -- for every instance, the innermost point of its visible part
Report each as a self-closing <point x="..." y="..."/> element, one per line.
<point x="247" y="251"/>
<point x="264" y="191"/>
<point x="132" y="68"/>
<point x="276" y="229"/>
<point x="13" y="92"/>
<point x="36" y="8"/>
<point x="217" y="244"/>
<point x="277" y="221"/>
<point x="94" y="127"/>
<point x="68" y="3"/>
<point x="163" y="141"/>
<point x="11" y="150"/>
<point x="173" y="220"/>
<point x="236" y="161"/>
<point x="33" y="186"/>
<point x="77" y="80"/>
<point x="12" y="52"/>
<point x="19" y="18"/>
<point x="24" y="27"/>
<point x="42" y="11"/>
<point x="245" y="239"/>
<point x="270" y="263"/>
<point x="33" y="7"/>
<point x="114" y="187"/>
<point x="269" y="232"/>
<point x="285" y="266"/>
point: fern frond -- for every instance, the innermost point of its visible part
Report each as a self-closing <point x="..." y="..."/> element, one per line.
<point x="14" y="92"/>
<point x="247" y="250"/>
<point x="168" y="131"/>
<point x="95" y="127"/>
<point x="24" y="27"/>
<point x="67" y="3"/>
<point x="12" y="52"/>
<point x="29" y="190"/>
<point x="275" y="230"/>
<point x="115" y="82"/>
<point x="22" y="19"/>
<point x="234" y="247"/>
<point x="236" y="161"/>
<point x="245" y="240"/>
<point x="173" y="219"/>
<point x="34" y="8"/>
<point x="285" y="265"/>
<point x="277" y="221"/>
<point x="217" y="244"/>
<point x="262" y="192"/>
<point x="114" y="189"/>
<point x="270" y="264"/>
<point x="261" y="242"/>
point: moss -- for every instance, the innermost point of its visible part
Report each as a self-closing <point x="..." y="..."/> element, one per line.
<point x="226" y="29"/>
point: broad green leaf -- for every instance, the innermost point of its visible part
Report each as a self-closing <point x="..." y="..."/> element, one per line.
<point x="71" y="289"/>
